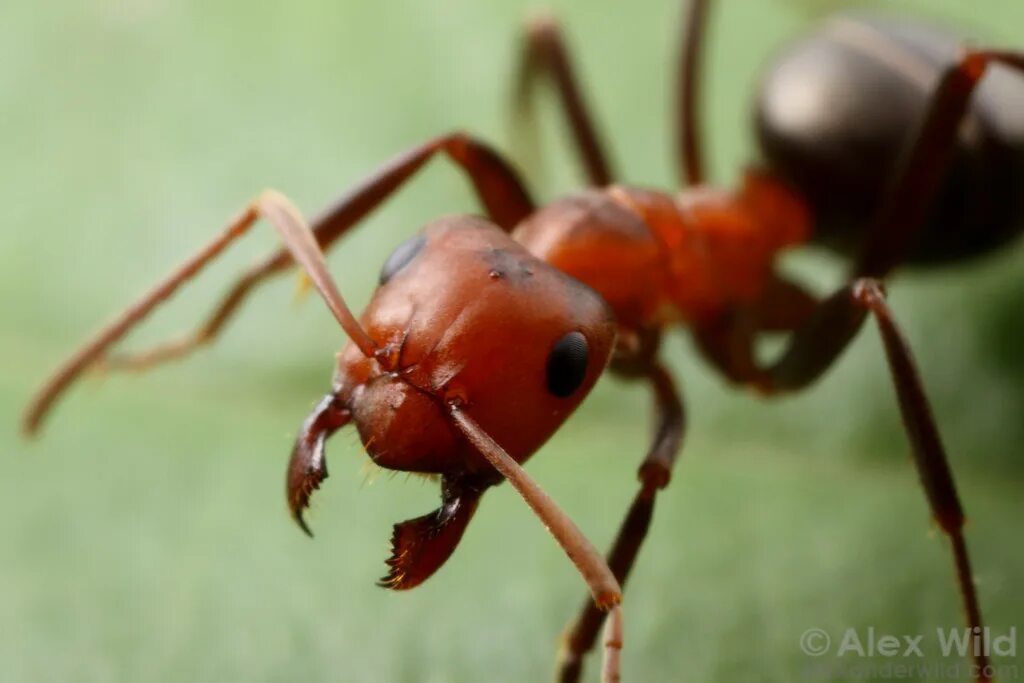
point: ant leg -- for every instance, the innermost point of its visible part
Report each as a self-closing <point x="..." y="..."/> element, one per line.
<point x="497" y="185"/>
<point x="924" y="162"/>
<point x="545" y="54"/>
<point x="815" y="347"/>
<point x="654" y="474"/>
<point x="299" y="243"/>
<point x="727" y="342"/>
<point x="688" y="77"/>
<point x="605" y="589"/>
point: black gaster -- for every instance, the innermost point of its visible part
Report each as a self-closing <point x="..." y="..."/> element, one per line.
<point x="837" y="107"/>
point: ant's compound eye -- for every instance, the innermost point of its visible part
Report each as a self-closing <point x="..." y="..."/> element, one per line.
<point x="401" y="256"/>
<point x="567" y="364"/>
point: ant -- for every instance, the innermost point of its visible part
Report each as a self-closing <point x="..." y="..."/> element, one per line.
<point x="484" y="335"/>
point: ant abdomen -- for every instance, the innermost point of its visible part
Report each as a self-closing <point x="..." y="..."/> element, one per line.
<point x="842" y="103"/>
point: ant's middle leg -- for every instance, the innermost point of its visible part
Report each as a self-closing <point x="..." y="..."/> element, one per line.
<point x="690" y="153"/>
<point x="497" y="186"/>
<point x="654" y="475"/>
<point x="545" y="55"/>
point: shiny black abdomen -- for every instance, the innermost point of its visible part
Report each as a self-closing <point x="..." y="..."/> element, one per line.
<point x="836" y="108"/>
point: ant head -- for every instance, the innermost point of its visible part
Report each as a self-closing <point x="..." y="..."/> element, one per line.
<point x="463" y="316"/>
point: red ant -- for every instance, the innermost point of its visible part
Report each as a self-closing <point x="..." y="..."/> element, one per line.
<point x="484" y="336"/>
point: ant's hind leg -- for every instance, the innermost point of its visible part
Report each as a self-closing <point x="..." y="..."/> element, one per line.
<point x="924" y="162"/>
<point x="814" y="348"/>
<point x="654" y="475"/>
<point x="545" y="56"/>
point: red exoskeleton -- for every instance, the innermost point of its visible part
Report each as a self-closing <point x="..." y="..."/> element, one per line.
<point x="485" y="334"/>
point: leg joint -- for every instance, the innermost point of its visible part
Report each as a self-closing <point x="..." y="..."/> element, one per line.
<point x="654" y="475"/>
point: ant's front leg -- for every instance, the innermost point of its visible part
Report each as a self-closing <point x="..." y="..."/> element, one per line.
<point x="300" y="244"/>
<point x="654" y="475"/>
<point x="497" y="186"/>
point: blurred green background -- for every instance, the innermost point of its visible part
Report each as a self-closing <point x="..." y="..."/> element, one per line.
<point x="145" y="538"/>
